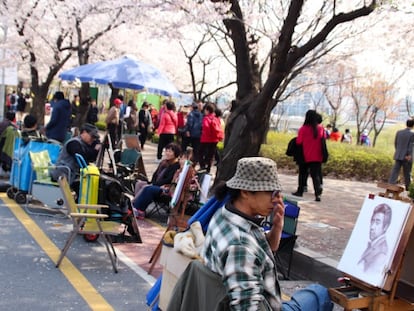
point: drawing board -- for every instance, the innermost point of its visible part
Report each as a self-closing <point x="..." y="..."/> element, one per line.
<point x="374" y="241"/>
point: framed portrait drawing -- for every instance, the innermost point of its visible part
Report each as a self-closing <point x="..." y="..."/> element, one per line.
<point x="375" y="240"/>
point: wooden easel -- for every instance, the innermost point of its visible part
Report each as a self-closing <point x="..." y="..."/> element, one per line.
<point x="358" y="295"/>
<point x="176" y="219"/>
<point x="391" y="191"/>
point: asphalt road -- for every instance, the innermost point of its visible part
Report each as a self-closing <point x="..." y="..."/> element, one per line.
<point x="29" y="280"/>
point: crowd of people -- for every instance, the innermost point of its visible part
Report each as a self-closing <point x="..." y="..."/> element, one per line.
<point x="334" y="134"/>
<point x="201" y="129"/>
<point x="72" y="124"/>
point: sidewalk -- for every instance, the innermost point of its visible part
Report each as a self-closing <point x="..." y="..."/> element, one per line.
<point x="324" y="227"/>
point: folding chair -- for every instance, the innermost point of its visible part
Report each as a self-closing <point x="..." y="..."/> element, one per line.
<point x="288" y="239"/>
<point x="86" y="223"/>
<point x="160" y="206"/>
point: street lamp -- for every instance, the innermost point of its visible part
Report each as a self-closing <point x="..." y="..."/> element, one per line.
<point x="3" y="38"/>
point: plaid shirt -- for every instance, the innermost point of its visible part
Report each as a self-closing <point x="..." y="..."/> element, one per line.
<point x="237" y="249"/>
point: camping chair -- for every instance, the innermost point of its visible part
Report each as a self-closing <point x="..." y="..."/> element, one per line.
<point x="86" y="223"/>
<point x="160" y="206"/>
<point x="186" y="198"/>
<point x="288" y="239"/>
<point x="128" y="168"/>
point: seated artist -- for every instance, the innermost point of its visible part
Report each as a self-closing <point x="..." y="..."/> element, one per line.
<point x="146" y="193"/>
<point x="237" y="249"/>
<point x="87" y="144"/>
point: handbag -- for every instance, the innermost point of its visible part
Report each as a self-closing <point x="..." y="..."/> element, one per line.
<point x="325" y="153"/>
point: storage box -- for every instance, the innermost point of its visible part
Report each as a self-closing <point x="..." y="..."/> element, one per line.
<point x="174" y="265"/>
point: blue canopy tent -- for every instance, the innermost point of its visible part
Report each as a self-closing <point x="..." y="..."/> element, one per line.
<point x="124" y="73"/>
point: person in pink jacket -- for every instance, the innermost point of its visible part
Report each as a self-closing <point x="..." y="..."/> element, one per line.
<point x="211" y="134"/>
<point x="167" y="128"/>
<point x="310" y="137"/>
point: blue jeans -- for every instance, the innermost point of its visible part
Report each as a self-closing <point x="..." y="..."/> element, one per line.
<point x="315" y="297"/>
<point x="147" y="195"/>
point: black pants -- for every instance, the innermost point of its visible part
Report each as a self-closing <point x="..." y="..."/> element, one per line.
<point x="315" y="170"/>
<point x="113" y="133"/>
<point x="143" y="134"/>
<point x="206" y="155"/>
<point x="195" y="143"/>
<point x="164" y="140"/>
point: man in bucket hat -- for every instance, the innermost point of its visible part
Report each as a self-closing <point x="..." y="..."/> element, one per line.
<point x="237" y="248"/>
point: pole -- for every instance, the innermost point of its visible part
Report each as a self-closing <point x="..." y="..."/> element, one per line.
<point x="3" y="28"/>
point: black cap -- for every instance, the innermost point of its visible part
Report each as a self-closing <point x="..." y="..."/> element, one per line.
<point x="91" y="129"/>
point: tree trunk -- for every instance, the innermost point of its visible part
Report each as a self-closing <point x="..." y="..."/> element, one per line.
<point x="245" y="132"/>
<point x="38" y="109"/>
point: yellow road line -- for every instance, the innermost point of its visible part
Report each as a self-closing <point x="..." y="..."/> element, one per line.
<point x="72" y="274"/>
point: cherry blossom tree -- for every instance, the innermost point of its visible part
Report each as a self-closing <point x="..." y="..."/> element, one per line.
<point x="301" y="38"/>
<point x="45" y="35"/>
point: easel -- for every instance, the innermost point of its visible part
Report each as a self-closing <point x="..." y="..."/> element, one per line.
<point x="358" y="295"/>
<point x="391" y="191"/>
<point x="131" y="141"/>
<point x="177" y="218"/>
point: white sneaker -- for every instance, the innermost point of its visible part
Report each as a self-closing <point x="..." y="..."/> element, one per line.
<point x="157" y="161"/>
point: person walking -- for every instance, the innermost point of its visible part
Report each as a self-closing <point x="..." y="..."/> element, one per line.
<point x="403" y="156"/>
<point x="112" y="122"/>
<point x="167" y="128"/>
<point x="211" y="134"/>
<point x="193" y="130"/>
<point x="59" y="123"/>
<point x="93" y="112"/>
<point x="310" y="137"/>
<point x="144" y="123"/>
<point x="131" y="118"/>
<point x="20" y="109"/>
<point x="242" y="254"/>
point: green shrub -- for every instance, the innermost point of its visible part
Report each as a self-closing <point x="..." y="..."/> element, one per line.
<point x="101" y="125"/>
<point x="155" y="138"/>
<point x="345" y="161"/>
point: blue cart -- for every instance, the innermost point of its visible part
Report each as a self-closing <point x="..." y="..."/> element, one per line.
<point x="22" y="175"/>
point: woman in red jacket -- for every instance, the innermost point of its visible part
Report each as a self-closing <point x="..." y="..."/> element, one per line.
<point x="211" y="134"/>
<point x="310" y="137"/>
<point x="167" y="128"/>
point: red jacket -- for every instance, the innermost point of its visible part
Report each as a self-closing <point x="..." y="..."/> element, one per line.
<point x="168" y="123"/>
<point x="335" y="136"/>
<point x="312" y="147"/>
<point x="181" y="119"/>
<point x="211" y="130"/>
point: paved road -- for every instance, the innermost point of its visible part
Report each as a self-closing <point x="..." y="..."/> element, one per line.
<point x="29" y="248"/>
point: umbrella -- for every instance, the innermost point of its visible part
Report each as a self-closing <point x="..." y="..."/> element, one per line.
<point x="125" y="73"/>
